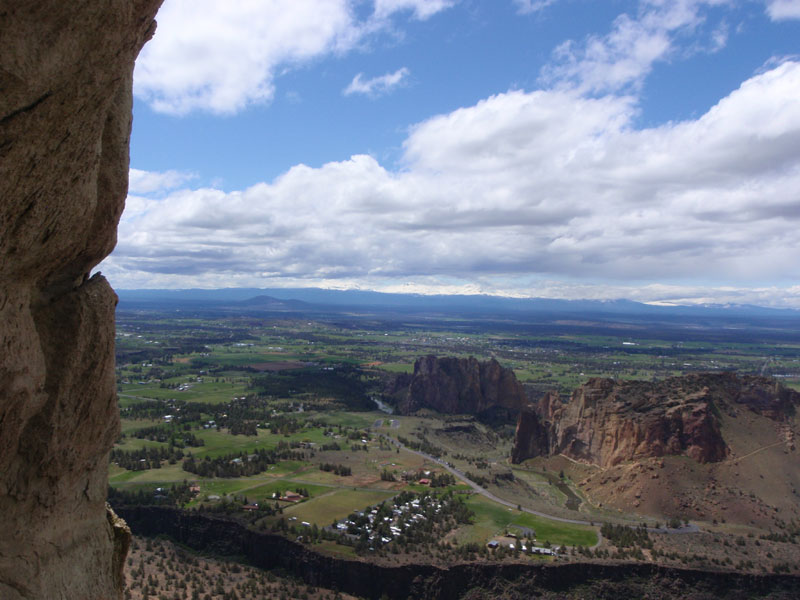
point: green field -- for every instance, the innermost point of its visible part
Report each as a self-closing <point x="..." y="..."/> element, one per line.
<point x="348" y="419"/>
<point x="335" y="504"/>
<point x="492" y="519"/>
<point x="397" y="367"/>
<point x="212" y="361"/>
<point x="218" y="443"/>
<point x="165" y="475"/>
<point x="132" y="443"/>
<point x="210" y="392"/>
<point x="129" y="425"/>
<point x="264" y="492"/>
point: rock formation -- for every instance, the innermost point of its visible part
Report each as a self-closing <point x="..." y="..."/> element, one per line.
<point x="458" y="386"/>
<point x="532" y="437"/>
<point x="65" y="118"/>
<point x="608" y="422"/>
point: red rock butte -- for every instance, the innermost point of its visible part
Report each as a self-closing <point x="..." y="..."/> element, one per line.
<point x="458" y="385"/>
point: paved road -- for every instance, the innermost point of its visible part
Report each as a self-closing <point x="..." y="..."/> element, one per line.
<point x="691" y="528"/>
<point x="491" y="496"/>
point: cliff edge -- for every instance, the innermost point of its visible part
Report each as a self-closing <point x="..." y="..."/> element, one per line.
<point x="65" y="118"/>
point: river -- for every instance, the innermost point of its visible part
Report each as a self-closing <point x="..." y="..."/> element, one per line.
<point x="382" y="406"/>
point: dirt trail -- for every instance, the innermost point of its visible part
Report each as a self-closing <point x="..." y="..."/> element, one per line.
<point x="756" y="451"/>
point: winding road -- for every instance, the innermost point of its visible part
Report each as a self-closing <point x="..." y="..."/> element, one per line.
<point x="484" y="492"/>
<point x="691" y="528"/>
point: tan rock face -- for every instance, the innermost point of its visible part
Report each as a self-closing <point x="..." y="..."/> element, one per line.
<point x="65" y="116"/>
<point x="460" y="385"/>
<point x="607" y="423"/>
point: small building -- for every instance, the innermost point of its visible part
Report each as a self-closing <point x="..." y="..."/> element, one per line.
<point x="493" y="544"/>
<point x="291" y="497"/>
<point x="250" y="507"/>
<point x="425" y="481"/>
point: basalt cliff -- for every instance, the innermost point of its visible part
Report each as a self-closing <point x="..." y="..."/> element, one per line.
<point x="609" y="422"/>
<point x="469" y="580"/>
<point x="65" y="119"/>
<point x="458" y="386"/>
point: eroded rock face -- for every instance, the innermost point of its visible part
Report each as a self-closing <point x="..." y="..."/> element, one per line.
<point x="459" y="386"/>
<point x="65" y="117"/>
<point x="532" y="437"/>
<point x="608" y="422"/>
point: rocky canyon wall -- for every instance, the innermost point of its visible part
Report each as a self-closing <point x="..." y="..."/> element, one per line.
<point x="65" y="118"/>
<point x="609" y="422"/>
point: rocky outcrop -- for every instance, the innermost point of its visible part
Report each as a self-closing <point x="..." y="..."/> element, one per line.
<point x="608" y="422"/>
<point x="65" y="118"/>
<point x="531" y="437"/>
<point x="459" y="386"/>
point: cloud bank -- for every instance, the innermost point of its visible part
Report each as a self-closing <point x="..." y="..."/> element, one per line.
<point x="518" y="194"/>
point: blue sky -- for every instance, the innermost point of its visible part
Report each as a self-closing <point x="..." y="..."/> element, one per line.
<point x="562" y="148"/>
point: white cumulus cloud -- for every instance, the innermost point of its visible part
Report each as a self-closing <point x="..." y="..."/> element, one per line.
<point x="537" y="185"/>
<point x="220" y="57"/>
<point x="422" y="9"/>
<point x="532" y="6"/>
<point x="148" y="182"/>
<point x="376" y="86"/>
<point x="779" y="10"/>
<point x="623" y="58"/>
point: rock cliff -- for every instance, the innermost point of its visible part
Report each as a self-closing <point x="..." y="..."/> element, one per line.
<point x="458" y="386"/>
<point x="607" y="423"/>
<point x="532" y="437"/>
<point x="65" y="118"/>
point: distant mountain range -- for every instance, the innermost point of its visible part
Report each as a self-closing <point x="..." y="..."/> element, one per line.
<point x="311" y="300"/>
